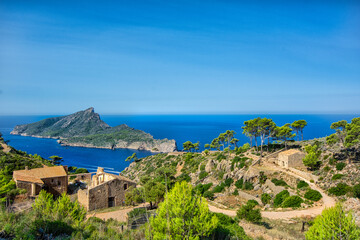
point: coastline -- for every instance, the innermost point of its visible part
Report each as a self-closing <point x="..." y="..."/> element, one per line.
<point x="133" y="146"/>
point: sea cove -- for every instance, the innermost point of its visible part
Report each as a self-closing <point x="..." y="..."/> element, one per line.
<point x="202" y="128"/>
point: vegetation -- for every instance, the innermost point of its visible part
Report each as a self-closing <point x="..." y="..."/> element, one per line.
<point x="265" y="198"/>
<point x="313" y="195"/>
<point x="311" y="160"/>
<point x="334" y="223"/>
<point x="278" y="182"/>
<point x="302" y="184"/>
<point x="132" y="157"/>
<point x="340" y="166"/>
<point x="298" y="126"/>
<point x="340" y="189"/>
<point x="292" y="201"/>
<point x="356" y="190"/>
<point x="337" y="176"/>
<point x="280" y="197"/>
<point x="248" y="212"/>
<point x="182" y="215"/>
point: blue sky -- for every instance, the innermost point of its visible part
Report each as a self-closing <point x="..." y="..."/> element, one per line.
<point x="175" y="57"/>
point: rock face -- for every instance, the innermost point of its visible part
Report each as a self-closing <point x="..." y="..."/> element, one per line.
<point x="86" y="129"/>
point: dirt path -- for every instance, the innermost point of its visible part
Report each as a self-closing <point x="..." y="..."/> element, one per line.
<point x="314" y="211"/>
<point x="120" y="215"/>
<point x="5" y="147"/>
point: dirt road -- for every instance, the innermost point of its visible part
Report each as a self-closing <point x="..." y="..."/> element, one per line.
<point x="314" y="211"/>
<point x="120" y="215"/>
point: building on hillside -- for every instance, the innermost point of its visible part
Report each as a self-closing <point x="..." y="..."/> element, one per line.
<point x="291" y="158"/>
<point x="52" y="179"/>
<point x="105" y="190"/>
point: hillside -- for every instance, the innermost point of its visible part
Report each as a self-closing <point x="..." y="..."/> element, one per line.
<point x="11" y="160"/>
<point x="86" y="129"/>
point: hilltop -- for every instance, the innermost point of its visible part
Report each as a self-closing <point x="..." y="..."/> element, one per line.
<point x="86" y="129"/>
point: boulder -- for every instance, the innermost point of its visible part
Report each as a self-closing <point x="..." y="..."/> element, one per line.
<point x="209" y="165"/>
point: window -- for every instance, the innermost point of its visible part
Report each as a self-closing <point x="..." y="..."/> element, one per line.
<point x="59" y="183"/>
<point x="125" y="186"/>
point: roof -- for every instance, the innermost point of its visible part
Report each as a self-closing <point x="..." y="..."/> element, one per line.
<point x="36" y="175"/>
<point x="121" y="177"/>
<point x="290" y="152"/>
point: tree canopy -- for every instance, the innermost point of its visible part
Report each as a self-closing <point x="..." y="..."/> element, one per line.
<point x="182" y="215"/>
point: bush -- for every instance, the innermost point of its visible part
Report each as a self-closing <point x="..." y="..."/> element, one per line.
<point x="262" y="177"/>
<point x="280" y="197"/>
<point x="236" y="192"/>
<point x="203" y="175"/>
<point x="278" y="182"/>
<point x="337" y="176"/>
<point x="292" y="201"/>
<point x="340" y="189"/>
<point x="239" y="183"/>
<point x="202" y="188"/>
<point x="219" y="188"/>
<point x="326" y="168"/>
<point x="265" y="198"/>
<point x="220" y="157"/>
<point x="248" y="213"/>
<point x="302" y="184"/>
<point x="209" y="195"/>
<point x="81" y="170"/>
<point x="356" y="190"/>
<point x="313" y="195"/>
<point x="252" y="202"/>
<point x="183" y="177"/>
<point x="228" y="182"/>
<point x="248" y="186"/>
<point x="340" y="166"/>
<point x="332" y="161"/>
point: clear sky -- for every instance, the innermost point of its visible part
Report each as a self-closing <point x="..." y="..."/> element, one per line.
<point x="174" y="57"/>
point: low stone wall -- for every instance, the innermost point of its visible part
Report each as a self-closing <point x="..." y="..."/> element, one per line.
<point x="307" y="176"/>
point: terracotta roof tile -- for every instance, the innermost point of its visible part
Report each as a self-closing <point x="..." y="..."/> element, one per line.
<point x="290" y="152"/>
<point x="36" y="174"/>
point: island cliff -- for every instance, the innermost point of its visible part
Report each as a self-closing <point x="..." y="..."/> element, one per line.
<point x="86" y="129"/>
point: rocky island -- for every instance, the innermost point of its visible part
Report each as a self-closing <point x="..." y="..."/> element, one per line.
<point x="86" y="129"/>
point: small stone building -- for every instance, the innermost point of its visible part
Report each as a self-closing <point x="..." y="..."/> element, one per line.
<point x="52" y="179"/>
<point x="291" y="158"/>
<point x="105" y="190"/>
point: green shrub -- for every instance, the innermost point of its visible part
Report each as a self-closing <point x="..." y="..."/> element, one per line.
<point x="265" y="198"/>
<point x="248" y="213"/>
<point x="337" y="176"/>
<point x="253" y="202"/>
<point x="340" y="166"/>
<point x="332" y="161"/>
<point x="326" y="168"/>
<point x="202" y="188"/>
<point x="209" y="195"/>
<point x="302" y="184"/>
<point x="292" y="201"/>
<point x="278" y="182"/>
<point x="236" y="192"/>
<point x="248" y="186"/>
<point x="203" y="175"/>
<point x="340" y="189"/>
<point x="220" y="157"/>
<point x="313" y="195"/>
<point x="321" y="178"/>
<point x="239" y="183"/>
<point x="219" y="188"/>
<point x="183" y="177"/>
<point x="202" y="167"/>
<point x="356" y="190"/>
<point x="280" y="197"/>
<point x="228" y="182"/>
<point x="220" y="174"/>
<point x="262" y="177"/>
<point x="81" y="170"/>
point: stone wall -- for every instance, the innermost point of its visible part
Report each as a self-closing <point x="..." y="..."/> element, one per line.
<point x="27" y="187"/>
<point x="56" y="185"/>
<point x="295" y="160"/>
<point x="97" y="197"/>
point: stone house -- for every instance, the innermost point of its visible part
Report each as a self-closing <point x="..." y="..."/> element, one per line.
<point x="291" y="158"/>
<point x="52" y="179"/>
<point x="105" y="190"/>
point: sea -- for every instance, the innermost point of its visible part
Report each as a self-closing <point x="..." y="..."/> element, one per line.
<point x="182" y="128"/>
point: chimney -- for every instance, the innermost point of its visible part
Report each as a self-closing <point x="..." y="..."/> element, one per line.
<point x="66" y="169"/>
<point x="100" y="170"/>
<point x="26" y="168"/>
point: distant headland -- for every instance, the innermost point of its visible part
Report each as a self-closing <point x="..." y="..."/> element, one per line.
<point x="86" y="129"/>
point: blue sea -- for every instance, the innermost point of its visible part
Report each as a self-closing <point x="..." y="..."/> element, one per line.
<point x="202" y="128"/>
